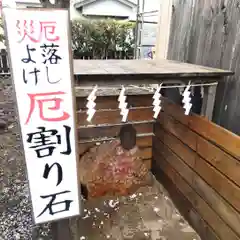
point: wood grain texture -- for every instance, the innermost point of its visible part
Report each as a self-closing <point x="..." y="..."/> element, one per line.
<point x="111" y="102"/>
<point x="195" y="178"/>
<point x="110" y="130"/>
<point x="163" y="29"/>
<point x="221" y="137"/>
<point x="113" y="89"/>
<point x="208" y="102"/>
<point x="222" y="184"/>
<point x="222" y="161"/>
<point x="183" y="177"/>
<point x="182" y="203"/>
<point x="159" y="68"/>
<point x="207" y="33"/>
<point x="114" y="117"/>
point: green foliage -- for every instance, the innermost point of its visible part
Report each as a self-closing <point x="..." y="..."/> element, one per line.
<point x="2" y="37"/>
<point x="100" y="37"/>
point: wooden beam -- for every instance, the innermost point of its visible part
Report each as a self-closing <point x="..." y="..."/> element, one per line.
<point x="111" y="102"/>
<point x="114" y="117"/>
<point x="164" y="27"/>
<point x="61" y="230"/>
<point x="208" y="101"/>
<point x="111" y="131"/>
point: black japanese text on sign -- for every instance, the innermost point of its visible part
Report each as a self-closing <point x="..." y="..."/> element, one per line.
<point x="39" y="51"/>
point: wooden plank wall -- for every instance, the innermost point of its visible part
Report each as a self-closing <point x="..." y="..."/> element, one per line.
<point x="106" y="123"/>
<point x="198" y="162"/>
<point x="208" y="33"/>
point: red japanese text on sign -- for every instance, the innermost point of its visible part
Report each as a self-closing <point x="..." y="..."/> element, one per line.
<point x="36" y="31"/>
<point x="40" y="98"/>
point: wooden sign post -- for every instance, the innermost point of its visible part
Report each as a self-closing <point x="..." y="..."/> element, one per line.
<point x="164" y="28"/>
<point x="40" y="55"/>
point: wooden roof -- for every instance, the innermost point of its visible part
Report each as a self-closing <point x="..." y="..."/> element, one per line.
<point x="160" y="68"/>
<point x="137" y="72"/>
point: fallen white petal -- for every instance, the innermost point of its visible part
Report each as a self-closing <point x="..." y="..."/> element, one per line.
<point x="97" y="210"/>
<point x="133" y="196"/>
<point x="112" y="204"/>
<point x="156" y="209"/>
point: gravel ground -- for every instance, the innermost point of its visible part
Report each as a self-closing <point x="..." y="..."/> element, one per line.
<point x="148" y="214"/>
<point x="15" y="207"/>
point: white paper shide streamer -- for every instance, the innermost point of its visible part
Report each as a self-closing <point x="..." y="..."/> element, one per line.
<point x="187" y="100"/>
<point x="123" y="105"/>
<point x="157" y="102"/>
<point x="91" y="104"/>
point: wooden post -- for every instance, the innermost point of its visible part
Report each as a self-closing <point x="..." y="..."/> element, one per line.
<point x="136" y="50"/>
<point x="5" y="68"/>
<point x="61" y="230"/>
<point x="163" y="32"/>
<point x="208" y="101"/>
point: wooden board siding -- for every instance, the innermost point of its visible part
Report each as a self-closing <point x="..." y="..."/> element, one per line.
<point x="163" y="174"/>
<point x="113" y="116"/>
<point x="106" y="123"/>
<point x="208" y="33"/>
<point x="112" y="131"/>
<point x="216" y="226"/>
<point x="111" y="102"/>
<point x="221" y="137"/>
<point x="202" y="160"/>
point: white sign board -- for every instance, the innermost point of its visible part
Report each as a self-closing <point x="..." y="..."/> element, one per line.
<point x="39" y="52"/>
<point x="149" y="34"/>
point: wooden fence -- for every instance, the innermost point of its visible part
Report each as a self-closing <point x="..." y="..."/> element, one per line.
<point x="208" y="33"/>
<point x="198" y="162"/>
